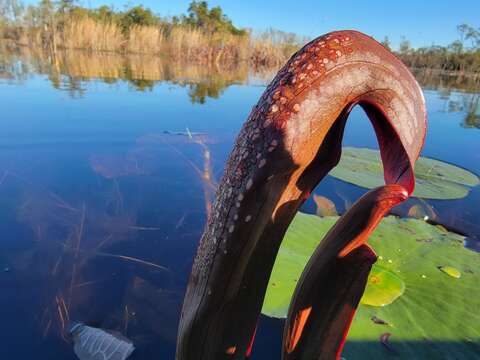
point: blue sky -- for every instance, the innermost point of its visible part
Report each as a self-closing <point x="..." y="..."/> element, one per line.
<point x="424" y="22"/>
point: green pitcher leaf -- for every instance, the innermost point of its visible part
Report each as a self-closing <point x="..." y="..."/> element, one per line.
<point x="434" y="179"/>
<point x="429" y="316"/>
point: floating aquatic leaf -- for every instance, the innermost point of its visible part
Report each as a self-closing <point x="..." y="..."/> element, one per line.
<point x="94" y="344"/>
<point x="423" y="211"/>
<point x="417" y="212"/>
<point x="435" y="317"/>
<point x="325" y="206"/>
<point x="383" y="287"/>
<point x="450" y="270"/>
<point x="434" y="179"/>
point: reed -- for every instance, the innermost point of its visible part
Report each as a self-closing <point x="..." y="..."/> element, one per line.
<point x="195" y="45"/>
<point x="91" y="35"/>
<point x="145" y="40"/>
<point x="264" y="52"/>
<point x="180" y="43"/>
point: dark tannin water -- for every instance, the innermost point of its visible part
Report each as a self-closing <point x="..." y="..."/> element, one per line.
<point x="107" y="169"/>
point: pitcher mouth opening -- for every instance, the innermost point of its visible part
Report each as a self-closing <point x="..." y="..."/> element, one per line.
<point x="393" y="194"/>
<point x="397" y="163"/>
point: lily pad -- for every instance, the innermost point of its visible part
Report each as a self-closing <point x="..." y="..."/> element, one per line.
<point x="436" y="317"/>
<point x="383" y="288"/>
<point x="434" y="179"/>
<point x="422" y="210"/>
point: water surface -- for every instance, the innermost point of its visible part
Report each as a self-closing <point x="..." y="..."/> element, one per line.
<point x="107" y="168"/>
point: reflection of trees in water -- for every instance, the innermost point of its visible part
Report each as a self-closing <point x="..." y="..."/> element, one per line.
<point x="143" y="72"/>
<point x="438" y="80"/>
<point x="210" y="88"/>
<point x="461" y="93"/>
<point x="11" y="69"/>
<point x="70" y="69"/>
<point x="465" y="103"/>
<point x="472" y="120"/>
<point x="72" y="85"/>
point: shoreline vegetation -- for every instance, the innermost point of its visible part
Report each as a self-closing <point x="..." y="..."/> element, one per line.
<point x="204" y="35"/>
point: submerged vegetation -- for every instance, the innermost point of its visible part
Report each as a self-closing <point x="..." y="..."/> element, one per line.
<point x="204" y="35"/>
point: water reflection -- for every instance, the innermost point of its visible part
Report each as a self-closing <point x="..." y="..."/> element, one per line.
<point x="71" y="68"/>
<point x="469" y="104"/>
<point x="445" y="82"/>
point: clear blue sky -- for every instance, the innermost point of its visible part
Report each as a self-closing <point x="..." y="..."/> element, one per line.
<point x="423" y="22"/>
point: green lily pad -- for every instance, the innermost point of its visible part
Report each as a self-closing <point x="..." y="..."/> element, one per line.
<point x="383" y="288"/>
<point x="434" y="179"/>
<point x="434" y="318"/>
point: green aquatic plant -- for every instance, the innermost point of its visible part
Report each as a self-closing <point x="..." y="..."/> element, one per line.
<point x="434" y="179"/>
<point x="428" y="314"/>
<point x="383" y="288"/>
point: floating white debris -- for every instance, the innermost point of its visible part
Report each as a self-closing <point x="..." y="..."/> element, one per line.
<point x="94" y="344"/>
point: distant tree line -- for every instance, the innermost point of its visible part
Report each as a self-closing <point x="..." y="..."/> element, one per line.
<point x="203" y="33"/>
<point x="49" y="16"/>
<point x="14" y="14"/>
<point x="461" y="56"/>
